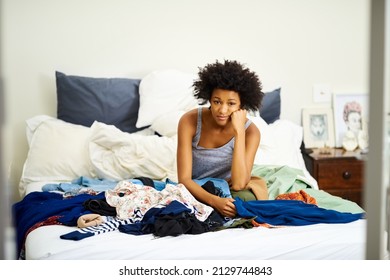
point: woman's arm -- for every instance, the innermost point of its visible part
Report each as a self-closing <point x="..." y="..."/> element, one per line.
<point x="186" y="131"/>
<point x="245" y="148"/>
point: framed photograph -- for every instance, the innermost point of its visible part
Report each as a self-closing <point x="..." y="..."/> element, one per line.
<point x="318" y="127"/>
<point x="350" y="114"/>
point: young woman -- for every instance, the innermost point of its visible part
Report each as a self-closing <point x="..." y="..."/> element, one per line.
<point x="219" y="141"/>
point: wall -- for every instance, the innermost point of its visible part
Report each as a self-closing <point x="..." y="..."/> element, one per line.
<point x="294" y="44"/>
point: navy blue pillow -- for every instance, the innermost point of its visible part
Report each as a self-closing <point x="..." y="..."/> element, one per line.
<point x="82" y="100"/>
<point x="270" y="106"/>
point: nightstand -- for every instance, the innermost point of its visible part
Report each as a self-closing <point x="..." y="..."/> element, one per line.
<point x="338" y="172"/>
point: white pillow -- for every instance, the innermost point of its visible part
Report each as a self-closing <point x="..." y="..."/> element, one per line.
<point x="118" y="155"/>
<point x="166" y="124"/>
<point x="58" y="152"/>
<point x="268" y="146"/>
<point x="288" y="135"/>
<point x="280" y="145"/>
<point x="162" y="92"/>
<point x="33" y="123"/>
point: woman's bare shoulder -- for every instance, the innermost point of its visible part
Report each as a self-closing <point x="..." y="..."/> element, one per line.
<point x="253" y="130"/>
<point x="188" y="121"/>
<point x="190" y="116"/>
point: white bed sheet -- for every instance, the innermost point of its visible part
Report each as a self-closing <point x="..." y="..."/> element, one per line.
<point x="313" y="242"/>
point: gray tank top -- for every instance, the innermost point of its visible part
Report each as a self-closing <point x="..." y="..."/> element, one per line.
<point x="213" y="162"/>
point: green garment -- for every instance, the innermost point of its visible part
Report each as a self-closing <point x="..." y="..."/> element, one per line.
<point x="285" y="179"/>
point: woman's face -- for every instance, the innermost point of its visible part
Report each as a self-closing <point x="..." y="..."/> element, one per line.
<point x="223" y="104"/>
<point x="354" y="121"/>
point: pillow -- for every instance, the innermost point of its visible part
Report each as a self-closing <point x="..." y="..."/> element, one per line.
<point x="82" y="100"/>
<point x="166" y="125"/>
<point x="289" y="137"/>
<point x="268" y="146"/>
<point x="265" y="133"/>
<point x="58" y="152"/>
<point x="270" y="106"/>
<point x="280" y="145"/>
<point x="32" y="124"/>
<point x="162" y="92"/>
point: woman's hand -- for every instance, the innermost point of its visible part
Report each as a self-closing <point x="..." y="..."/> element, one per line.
<point x="238" y="120"/>
<point x="89" y="220"/>
<point x="225" y="207"/>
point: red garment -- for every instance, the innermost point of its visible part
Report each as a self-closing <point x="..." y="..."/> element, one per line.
<point x="300" y="195"/>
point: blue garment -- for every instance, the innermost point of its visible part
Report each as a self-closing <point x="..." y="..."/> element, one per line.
<point x="98" y="185"/>
<point x="39" y="206"/>
<point x="290" y="213"/>
<point x="81" y="182"/>
<point x="220" y="184"/>
<point x="111" y="224"/>
<point x="95" y="184"/>
<point x="62" y="187"/>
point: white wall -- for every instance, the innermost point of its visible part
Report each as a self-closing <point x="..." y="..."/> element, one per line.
<point x="294" y="44"/>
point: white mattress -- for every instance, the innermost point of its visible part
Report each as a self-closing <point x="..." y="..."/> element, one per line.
<point x="313" y="242"/>
<point x="319" y="241"/>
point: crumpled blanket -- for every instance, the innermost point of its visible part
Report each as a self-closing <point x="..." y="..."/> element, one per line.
<point x="117" y="155"/>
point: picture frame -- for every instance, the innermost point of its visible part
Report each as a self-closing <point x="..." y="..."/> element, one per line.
<point x="318" y="127"/>
<point x="343" y="105"/>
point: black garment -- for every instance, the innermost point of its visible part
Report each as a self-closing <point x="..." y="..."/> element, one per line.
<point x="210" y="187"/>
<point x="146" y="181"/>
<point x="186" y="223"/>
<point x="214" y="221"/>
<point x="100" y="206"/>
<point x="183" y="223"/>
<point x="172" y="220"/>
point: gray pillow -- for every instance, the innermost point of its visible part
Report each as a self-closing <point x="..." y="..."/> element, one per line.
<point x="270" y="106"/>
<point x="82" y="100"/>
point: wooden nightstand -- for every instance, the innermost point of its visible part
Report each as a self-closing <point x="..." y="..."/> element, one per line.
<point x="339" y="173"/>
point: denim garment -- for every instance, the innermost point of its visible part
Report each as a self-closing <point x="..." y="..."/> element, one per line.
<point x="221" y="184"/>
<point x="81" y="182"/>
<point x="105" y="184"/>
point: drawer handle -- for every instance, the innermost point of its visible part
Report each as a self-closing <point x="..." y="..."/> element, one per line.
<point x="347" y="175"/>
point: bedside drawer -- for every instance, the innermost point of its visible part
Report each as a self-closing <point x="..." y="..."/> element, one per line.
<point x="350" y="194"/>
<point x="340" y="174"/>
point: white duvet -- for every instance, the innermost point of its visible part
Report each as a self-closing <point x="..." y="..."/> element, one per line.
<point x="117" y="155"/>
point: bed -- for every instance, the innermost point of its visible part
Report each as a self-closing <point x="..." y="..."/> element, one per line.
<point x="110" y="130"/>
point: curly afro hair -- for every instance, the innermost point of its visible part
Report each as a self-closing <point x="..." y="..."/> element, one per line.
<point x="229" y="75"/>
